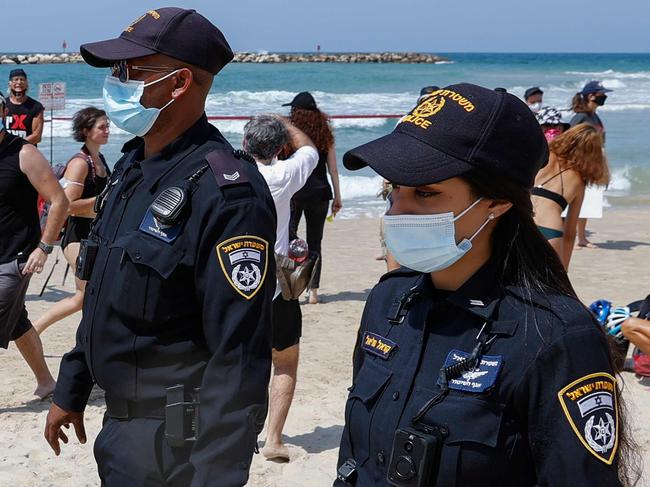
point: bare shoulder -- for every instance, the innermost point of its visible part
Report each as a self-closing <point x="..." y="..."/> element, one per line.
<point x="31" y="159"/>
<point x="574" y="184"/>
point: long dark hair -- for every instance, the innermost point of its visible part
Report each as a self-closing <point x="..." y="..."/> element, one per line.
<point x="579" y="103"/>
<point x="525" y="259"/>
<point x="315" y="124"/>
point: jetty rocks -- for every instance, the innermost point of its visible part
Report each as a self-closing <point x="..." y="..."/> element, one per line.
<point x="255" y="57"/>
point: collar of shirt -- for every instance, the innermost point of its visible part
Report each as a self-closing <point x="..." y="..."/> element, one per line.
<point x="155" y="167"/>
<point x="480" y="293"/>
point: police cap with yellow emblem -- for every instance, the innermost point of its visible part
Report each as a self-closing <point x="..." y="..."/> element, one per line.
<point x="454" y="130"/>
<point x="175" y="32"/>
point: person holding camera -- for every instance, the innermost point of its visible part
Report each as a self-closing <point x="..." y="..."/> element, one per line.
<point x="475" y="362"/>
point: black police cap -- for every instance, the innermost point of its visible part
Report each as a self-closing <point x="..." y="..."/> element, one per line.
<point x="304" y="100"/>
<point x="454" y="130"/>
<point x="175" y="32"/>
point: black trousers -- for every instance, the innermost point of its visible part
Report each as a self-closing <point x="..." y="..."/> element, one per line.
<point x="134" y="453"/>
<point x="315" y="214"/>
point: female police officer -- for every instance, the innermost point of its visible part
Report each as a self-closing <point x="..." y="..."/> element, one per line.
<point x="475" y="362"/>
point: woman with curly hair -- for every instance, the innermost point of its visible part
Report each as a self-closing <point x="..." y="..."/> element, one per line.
<point x="576" y="160"/>
<point x="85" y="177"/>
<point x="313" y="199"/>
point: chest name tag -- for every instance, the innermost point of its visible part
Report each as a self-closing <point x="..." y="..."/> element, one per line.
<point x="151" y="226"/>
<point x="378" y="345"/>
<point x="481" y="378"/>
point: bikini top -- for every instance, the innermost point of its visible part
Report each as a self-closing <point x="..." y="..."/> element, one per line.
<point x="542" y="192"/>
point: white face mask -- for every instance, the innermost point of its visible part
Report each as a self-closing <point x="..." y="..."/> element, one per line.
<point x="123" y="107"/>
<point x="536" y="107"/>
<point x="427" y="243"/>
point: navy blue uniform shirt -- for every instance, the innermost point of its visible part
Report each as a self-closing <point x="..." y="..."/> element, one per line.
<point x="190" y="304"/>
<point x="539" y="410"/>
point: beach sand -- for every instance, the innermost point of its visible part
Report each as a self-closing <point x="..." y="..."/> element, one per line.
<point x="617" y="271"/>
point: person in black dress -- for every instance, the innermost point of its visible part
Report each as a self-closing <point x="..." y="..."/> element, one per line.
<point x="314" y="198"/>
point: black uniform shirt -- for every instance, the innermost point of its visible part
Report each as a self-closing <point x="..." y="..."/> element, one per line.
<point x="540" y="409"/>
<point x="185" y="305"/>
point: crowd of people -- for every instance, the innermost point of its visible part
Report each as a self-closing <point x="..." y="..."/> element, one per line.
<point x="195" y="341"/>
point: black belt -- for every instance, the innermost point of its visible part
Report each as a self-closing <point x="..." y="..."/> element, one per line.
<point x="123" y="409"/>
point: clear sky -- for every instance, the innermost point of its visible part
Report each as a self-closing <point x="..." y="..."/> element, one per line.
<point x="352" y="25"/>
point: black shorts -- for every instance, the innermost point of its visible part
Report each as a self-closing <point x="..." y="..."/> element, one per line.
<point x="13" y="315"/>
<point x="287" y="323"/>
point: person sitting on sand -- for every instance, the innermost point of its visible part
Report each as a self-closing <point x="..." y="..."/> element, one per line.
<point x="576" y="159"/>
<point x="637" y="329"/>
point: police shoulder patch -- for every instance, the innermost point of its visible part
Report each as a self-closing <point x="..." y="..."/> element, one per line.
<point x="589" y="404"/>
<point x="244" y="261"/>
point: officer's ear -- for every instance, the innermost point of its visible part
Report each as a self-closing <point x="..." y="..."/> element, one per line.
<point x="183" y="79"/>
<point x="499" y="207"/>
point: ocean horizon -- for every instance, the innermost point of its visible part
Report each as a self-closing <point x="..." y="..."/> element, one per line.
<point x="374" y="88"/>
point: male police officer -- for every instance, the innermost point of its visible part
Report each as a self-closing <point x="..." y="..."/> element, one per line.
<point x="178" y="302"/>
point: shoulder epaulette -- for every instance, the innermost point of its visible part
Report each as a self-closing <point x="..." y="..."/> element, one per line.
<point x="226" y="167"/>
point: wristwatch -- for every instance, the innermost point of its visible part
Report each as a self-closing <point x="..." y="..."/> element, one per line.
<point x="45" y="247"/>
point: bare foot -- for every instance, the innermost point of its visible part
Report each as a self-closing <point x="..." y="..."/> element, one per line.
<point x="277" y="452"/>
<point x="313" y="296"/>
<point x="586" y="244"/>
<point x="43" y="391"/>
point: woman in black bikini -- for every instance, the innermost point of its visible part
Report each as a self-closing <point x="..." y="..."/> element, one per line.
<point x="85" y="176"/>
<point x="576" y="160"/>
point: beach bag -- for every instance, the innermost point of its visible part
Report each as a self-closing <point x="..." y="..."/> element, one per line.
<point x="294" y="277"/>
<point x="641" y="363"/>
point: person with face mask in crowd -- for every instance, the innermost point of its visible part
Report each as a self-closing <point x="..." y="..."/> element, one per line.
<point x="24" y="114"/>
<point x="475" y="363"/>
<point x="585" y="103"/>
<point x="176" y="325"/>
<point x="534" y="98"/>
<point x="550" y="121"/>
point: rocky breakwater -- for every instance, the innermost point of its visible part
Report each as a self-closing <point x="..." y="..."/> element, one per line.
<point x="40" y="58"/>
<point x="254" y="57"/>
<point x="358" y="57"/>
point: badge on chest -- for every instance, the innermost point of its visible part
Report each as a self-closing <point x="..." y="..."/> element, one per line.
<point x="152" y="226"/>
<point x="481" y="378"/>
<point x="378" y="345"/>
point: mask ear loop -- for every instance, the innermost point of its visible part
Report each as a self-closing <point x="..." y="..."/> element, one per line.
<point x="164" y="77"/>
<point x="489" y="219"/>
<point x="468" y="208"/>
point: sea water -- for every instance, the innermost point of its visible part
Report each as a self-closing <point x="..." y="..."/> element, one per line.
<point x="247" y="89"/>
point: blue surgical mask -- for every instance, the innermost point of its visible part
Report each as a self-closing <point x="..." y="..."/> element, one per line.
<point x="123" y="107"/>
<point x="427" y="243"/>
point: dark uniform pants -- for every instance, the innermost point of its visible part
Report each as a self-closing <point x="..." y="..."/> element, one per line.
<point x="135" y="453"/>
